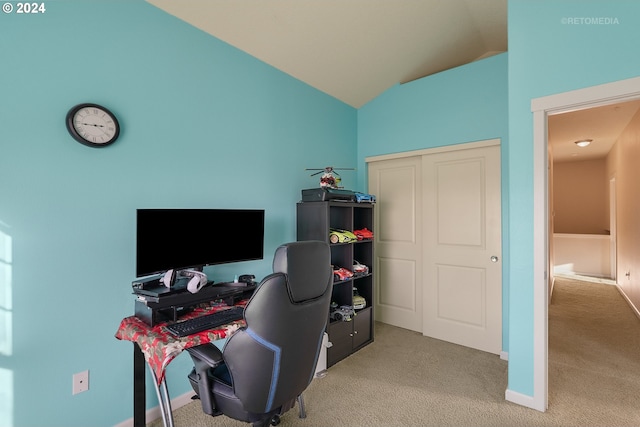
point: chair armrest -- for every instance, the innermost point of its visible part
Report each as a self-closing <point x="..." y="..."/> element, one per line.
<point x="207" y="353"/>
<point x="205" y="357"/>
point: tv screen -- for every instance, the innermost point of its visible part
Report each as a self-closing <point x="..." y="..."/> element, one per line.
<point x="192" y="238"/>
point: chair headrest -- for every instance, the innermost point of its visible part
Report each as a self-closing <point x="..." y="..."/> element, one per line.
<point x="308" y="267"/>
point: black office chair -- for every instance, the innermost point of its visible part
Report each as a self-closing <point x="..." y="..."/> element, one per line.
<point x="264" y="368"/>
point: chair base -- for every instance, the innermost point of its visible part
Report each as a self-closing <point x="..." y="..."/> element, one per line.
<point x="275" y="420"/>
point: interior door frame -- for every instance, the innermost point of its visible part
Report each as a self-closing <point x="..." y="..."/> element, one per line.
<point x="595" y="96"/>
<point x="613" y="229"/>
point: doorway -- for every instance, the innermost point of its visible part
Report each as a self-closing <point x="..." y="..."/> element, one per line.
<point x="582" y="188"/>
<point x="606" y="94"/>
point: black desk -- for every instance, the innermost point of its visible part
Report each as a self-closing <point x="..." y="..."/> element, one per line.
<point x="156" y="347"/>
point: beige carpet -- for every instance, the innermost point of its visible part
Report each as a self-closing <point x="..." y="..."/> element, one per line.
<point x="405" y="379"/>
<point x="594" y="355"/>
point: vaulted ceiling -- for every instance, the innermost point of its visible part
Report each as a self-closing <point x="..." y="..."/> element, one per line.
<point x="354" y="50"/>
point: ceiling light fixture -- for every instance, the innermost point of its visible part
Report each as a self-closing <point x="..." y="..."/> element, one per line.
<point x="583" y="142"/>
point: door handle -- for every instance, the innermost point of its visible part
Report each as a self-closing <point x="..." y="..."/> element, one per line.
<point x="494" y="259"/>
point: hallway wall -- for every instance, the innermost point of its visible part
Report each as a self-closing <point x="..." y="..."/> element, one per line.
<point x="580" y="197"/>
<point x="624" y="161"/>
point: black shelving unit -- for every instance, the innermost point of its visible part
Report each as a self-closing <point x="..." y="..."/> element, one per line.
<point x="314" y="221"/>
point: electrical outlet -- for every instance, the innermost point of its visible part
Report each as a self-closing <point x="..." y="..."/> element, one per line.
<point x="80" y="382"/>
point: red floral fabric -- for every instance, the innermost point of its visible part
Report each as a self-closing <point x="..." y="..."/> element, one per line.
<point x="160" y="347"/>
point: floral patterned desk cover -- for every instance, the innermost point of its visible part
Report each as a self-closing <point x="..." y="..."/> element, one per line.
<point x="160" y="347"/>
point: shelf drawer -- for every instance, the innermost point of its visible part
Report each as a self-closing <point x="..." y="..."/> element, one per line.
<point x="340" y="336"/>
<point x="362" y="328"/>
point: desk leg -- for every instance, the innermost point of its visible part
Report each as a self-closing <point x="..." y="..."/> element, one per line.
<point x="139" y="392"/>
<point x="163" y="399"/>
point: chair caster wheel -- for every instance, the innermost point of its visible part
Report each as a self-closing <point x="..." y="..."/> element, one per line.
<point x="275" y="420"/>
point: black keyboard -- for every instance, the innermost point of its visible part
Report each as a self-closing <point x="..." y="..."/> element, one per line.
<point x="208" y="321"/>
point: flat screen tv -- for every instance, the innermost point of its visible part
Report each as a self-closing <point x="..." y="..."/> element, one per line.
<point x="193" y="238"/>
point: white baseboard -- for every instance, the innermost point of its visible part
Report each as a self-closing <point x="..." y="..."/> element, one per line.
<point x="628" y="300"/>
<point x="504" y="355"/>
<point x="154" y="413"/>
<point x="522" y="399"/>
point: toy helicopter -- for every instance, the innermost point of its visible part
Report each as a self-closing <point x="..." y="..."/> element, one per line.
<point x="329" y="178"/>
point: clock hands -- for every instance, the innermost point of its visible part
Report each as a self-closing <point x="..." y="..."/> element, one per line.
<point x="99" y="127"/>
<point x="92" y="125"/>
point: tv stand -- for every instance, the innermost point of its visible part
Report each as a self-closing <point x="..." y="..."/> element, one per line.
<point x="155" y="309"/>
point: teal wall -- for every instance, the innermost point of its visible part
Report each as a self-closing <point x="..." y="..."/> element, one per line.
<point x="465" y="104"/>
<point x="552" y="50"/>
<point x="203" y="125"/>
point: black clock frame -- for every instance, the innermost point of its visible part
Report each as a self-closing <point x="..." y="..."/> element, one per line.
<point x="74" y="133"/>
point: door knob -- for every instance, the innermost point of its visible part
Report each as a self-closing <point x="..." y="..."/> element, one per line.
<point x="494" y="259"/>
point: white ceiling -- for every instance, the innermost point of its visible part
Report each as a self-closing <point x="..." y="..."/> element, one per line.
<point x="601" y="124"/>
<point x="354" y="50"/>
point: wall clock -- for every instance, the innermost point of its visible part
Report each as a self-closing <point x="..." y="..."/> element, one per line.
<point x="92" y="125"/>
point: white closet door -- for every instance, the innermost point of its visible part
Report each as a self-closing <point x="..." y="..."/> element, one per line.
<point x="398" y="238"/>
<point x="462" y="251"/>
<point x="438" y="243"/>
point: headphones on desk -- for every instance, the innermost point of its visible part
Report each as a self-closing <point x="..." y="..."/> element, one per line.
<point x="197" y="281"/>
<point x="169" y="278"/>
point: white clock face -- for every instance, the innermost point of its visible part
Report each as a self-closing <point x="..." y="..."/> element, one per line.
<point x="92" y="125"/>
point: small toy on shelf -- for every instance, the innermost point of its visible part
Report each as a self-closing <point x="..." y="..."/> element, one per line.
<point x="342" y="313"/>
<point x="363" y="234"/>
<point x="359" y="269"/>
<point x="329" y="178"/>
<point x="341" y="273"/>
<point x="341" y="236"/>
<point x="358" y="301"/>
<point x="364" y="198"/>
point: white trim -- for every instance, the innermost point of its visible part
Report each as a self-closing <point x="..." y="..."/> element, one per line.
<point x="519" y="398"/>
<point x="628" y="300"/>
<point x="154" y="413"/>
<point x="504" y="355"/>
<point x="609" y="93"/>
<point x="435" y="150"/>
<point x="540" y="262"/>
<point x="613" y="229"/>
